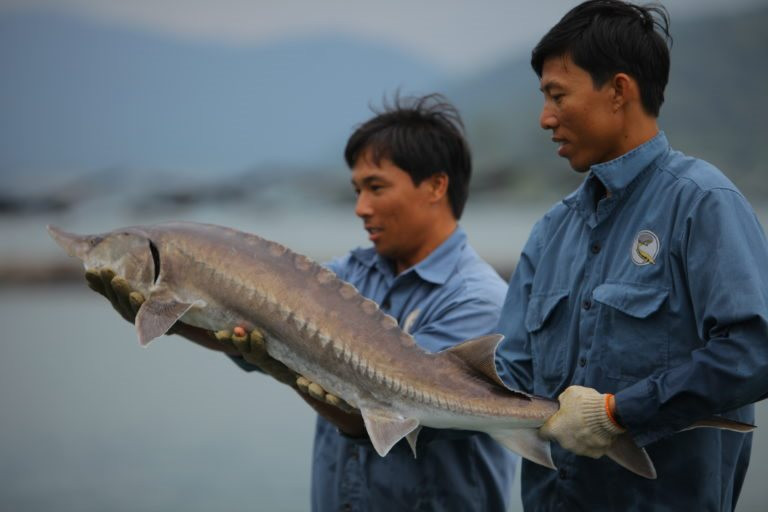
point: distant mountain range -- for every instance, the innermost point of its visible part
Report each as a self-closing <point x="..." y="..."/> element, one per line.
<point x="115" y="103"/>
<point x="76" y="94"/>
<point x="716" y="108"/>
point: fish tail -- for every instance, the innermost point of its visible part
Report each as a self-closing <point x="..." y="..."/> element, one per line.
<point x="723" y="424"/>
<point x="625" y="452"/>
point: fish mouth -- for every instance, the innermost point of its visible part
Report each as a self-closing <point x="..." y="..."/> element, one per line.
<point x="75" y="245"/>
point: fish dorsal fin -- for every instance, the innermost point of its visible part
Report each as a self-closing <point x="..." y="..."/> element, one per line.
<point x="158" y="313"/>
<point x="386" y="429"/>
<point x="527" y="443"/>
<point x="480" y="355"/>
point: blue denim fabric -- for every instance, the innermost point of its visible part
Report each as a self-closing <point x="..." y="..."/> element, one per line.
<point x="657" y="293"/>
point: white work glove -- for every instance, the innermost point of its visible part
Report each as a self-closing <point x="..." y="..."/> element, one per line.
<point x="582" y="425"/>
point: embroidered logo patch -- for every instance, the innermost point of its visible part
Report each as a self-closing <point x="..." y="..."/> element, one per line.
<point x="645" y="248"/>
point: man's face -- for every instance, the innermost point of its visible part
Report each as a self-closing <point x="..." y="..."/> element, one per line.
<point x="583" y="119"/>
<point x="393" y="209"/>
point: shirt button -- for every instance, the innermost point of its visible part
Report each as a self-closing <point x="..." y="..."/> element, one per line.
<point x="595" y="248"/>
<point x="583" y="361"/>
<point x="346" y="507"/>
<point x="562" y="473"/>
<point x="586" y="304"/>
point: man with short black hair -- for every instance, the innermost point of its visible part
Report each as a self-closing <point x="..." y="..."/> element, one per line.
<point x="640" y="300"/>
<point x="411" y="168"/>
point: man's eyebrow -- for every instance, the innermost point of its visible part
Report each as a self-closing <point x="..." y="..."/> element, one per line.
<point x="548" y="86"/>
<point x="366" y="180"/>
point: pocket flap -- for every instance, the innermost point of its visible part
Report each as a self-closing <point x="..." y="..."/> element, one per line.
<point x="635" y="300"/>
<point x="540" y="308"/>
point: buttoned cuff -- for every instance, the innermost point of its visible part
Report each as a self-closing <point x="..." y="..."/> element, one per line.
<point x="636" y="406"/>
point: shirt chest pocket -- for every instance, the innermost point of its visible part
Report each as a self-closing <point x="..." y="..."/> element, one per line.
<point x="546" y="321"/>
<point x="633" y="330"/>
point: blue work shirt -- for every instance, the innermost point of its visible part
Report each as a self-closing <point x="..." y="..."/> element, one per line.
<point x="658" y="293"/>
<point x="450" y="296"/>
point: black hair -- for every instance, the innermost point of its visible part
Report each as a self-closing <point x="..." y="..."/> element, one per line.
<point x="605" y="37"/>
<point x="423" y="136"/>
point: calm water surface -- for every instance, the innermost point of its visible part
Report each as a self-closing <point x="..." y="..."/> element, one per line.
<point x="92" y="422"/>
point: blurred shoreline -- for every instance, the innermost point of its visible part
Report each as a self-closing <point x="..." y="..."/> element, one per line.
<point x="58" y="273"/>
<point x="496" y="229"/>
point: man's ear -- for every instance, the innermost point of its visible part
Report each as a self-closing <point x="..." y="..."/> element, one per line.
<point x="625" y="90"/>
<point x="438" y="185"/>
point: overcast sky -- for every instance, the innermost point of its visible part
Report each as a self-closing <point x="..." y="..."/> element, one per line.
<point x="457" y="35"/>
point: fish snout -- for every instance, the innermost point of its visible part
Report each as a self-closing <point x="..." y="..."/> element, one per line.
<point x="75" y="245"/>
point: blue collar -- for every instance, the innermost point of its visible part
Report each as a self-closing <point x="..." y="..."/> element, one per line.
<point x="619" y="176"/>
<point x="436" y="268"/>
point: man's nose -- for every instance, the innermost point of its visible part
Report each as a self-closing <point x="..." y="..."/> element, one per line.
<point x="363" y="205"/>
<point x="547" y="118"/>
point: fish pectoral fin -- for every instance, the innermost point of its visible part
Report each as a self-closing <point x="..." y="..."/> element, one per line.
<point x="526" y="443"/>
<point x="627" y="454"/>
<point x="411" y="438"/>
<point x="158" y="313"/>
<point x="386" y="429"/>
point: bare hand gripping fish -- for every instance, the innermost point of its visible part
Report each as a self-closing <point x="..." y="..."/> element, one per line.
<point x="214" y="278"/>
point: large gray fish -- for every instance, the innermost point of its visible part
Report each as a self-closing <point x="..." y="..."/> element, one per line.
<point x="321" y="327"/>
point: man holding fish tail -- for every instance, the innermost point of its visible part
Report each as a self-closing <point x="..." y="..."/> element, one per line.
<point x="641" y="300"/>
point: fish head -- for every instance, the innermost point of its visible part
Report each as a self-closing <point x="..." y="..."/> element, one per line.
<point x="129" y="252"/>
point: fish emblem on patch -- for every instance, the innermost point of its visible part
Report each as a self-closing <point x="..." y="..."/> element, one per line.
<point x="645" y="248"/>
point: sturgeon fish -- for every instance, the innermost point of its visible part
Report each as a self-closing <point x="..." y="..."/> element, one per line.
<point x="215" y="278"/>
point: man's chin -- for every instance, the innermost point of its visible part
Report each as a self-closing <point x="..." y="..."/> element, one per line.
<point x="579" y="167"/>
<point x="576" y="165"/>
<point x="383" y="250"/>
